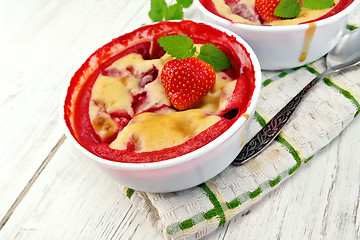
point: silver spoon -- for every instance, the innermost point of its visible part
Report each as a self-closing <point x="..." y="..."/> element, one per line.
<point x="345" y="54"/>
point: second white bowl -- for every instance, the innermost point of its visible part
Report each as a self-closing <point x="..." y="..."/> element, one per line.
<point x="283" y="47"/>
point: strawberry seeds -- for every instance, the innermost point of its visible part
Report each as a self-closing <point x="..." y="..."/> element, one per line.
<point x="187" y="80"/>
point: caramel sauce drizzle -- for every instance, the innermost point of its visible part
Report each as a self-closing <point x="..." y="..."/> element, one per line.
<point x="309" y="34"/>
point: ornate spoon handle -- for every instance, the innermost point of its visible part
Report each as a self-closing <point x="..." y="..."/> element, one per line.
<point x="265" y="136"/>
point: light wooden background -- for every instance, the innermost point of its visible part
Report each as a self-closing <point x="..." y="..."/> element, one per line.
<point x="49" y="191"/>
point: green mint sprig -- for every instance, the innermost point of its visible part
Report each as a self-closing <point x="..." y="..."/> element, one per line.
<point x="180" y="47"/>
<point x="160" y="10"/>
<point x="318" y="4"/>
<point x="291" y="8"/>
<point x="287" y="9"/>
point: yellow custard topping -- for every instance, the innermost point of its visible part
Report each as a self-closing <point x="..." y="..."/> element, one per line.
<point x="305" y="15"/>
<point x="150" y="131"/>
<point x="151" y="123"/>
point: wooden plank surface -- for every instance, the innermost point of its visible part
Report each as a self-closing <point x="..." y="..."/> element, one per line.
<point x="42" y="45"/>
<point x="50" y="191"/>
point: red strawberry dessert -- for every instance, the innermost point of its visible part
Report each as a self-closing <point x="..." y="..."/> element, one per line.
<point x="192" y="76"/>
<point x="133" y="102"/>
<point x="274" y="12"/>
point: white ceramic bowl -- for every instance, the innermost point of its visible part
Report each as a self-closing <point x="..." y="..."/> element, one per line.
<point x="177" y="173"/>
<point x="283" y="47"/>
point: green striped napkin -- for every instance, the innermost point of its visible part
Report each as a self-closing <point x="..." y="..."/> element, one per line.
<point x="329" y="107"/>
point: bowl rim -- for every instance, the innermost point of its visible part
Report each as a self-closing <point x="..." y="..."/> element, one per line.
<point x="188" y="156"/>
<point x="284" y="28"/>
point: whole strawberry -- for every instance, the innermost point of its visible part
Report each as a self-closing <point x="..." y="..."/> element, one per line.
<point x="186" y="81"/>
<point x="266" y="8"/>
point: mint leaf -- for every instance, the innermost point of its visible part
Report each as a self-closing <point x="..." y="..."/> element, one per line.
<point x="185" y="3"/>
<point x="214" y="56"/>
<point x="318" y="4"/>
<point x="288" y="9"/>
<point x="178" y="46"/>
<point x="291" y="8"/>
<point x="174" y="12"/>
<point x="158" y="9"/>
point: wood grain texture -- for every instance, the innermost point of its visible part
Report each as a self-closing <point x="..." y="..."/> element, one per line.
<point x="39" y="56"/>
<point x="50" y="191"/>
<point x="67" y="202"/>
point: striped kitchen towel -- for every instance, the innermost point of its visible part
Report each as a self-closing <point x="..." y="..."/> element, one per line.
<point x="327" y="109"/>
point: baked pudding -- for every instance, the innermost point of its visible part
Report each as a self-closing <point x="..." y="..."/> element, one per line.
<point x="118" y="109"/>
<point x="263" y="12"/>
